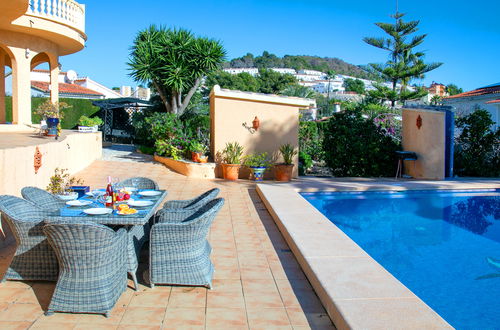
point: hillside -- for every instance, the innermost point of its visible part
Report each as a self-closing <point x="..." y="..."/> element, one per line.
<point x="299" y="62"/>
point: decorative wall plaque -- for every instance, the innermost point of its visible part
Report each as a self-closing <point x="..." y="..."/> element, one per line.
<point x="37" y="160"/>
<point x="419" y="122"/>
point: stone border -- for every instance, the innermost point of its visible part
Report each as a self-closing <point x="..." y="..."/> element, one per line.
<point x="356" y="291"/>
<point x="189" y="169"/>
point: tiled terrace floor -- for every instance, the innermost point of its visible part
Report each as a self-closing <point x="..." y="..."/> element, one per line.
<point x="258" y="284"/>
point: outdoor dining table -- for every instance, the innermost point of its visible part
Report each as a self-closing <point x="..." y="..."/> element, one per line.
<point x="137" y="224"/>
<point x="140" y="218"/>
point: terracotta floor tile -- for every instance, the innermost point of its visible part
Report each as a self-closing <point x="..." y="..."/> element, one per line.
<point x="52" y="326"/>
<point x="143" y="315"/>
<point x="138" y="327"/>
<point x="224" y="318"/>
<point x="21" y="312"/>
<point x="12" y="325"/>
<point x="268" y="300"/>
<point x="150" y="299"/>
<point x="115" y="317"/>
<point x="187" y="297"/>
<point x="267" y="318"/>
<point x="184" y="318"/>
<point x="91" y="326"/>
<point x="16" y="284"/>
<point x="60" y="318"/>
<point x="225" y="300"/>
<point x="10" y="295"/>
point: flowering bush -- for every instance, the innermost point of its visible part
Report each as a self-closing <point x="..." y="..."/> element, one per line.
<point x="51" y="110"/>
<point x="356" y="146"/>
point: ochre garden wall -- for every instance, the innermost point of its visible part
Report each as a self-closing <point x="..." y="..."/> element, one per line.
<point x="278" y="116"/>
<point x="428" y="142"/>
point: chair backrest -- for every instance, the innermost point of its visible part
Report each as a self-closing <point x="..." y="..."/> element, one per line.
<point x="42" y="198"/>
<point x="206" y="212"/>
<point x="24" y="218"/>
<point x="81" y="245"/>
<point x="204" y="198"/>
<point x="139" y="183"/>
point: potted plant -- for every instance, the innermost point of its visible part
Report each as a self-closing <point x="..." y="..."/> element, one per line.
<point x="89" y="125"/>
<point x="231" y="160"/>
<point x="283" y="171"/>
<point x="258" y="164"/>
<point x="198" y="150"/>
<point x="51" y="113"/>
<point x="60" y="184"/>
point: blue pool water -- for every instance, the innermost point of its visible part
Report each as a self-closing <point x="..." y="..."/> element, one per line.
<point x="443" y="245"/>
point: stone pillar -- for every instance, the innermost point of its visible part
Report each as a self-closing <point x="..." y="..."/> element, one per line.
<point x="21" y="86"/>
<point x="54" y="78"/>
<point x="2" y="87"/>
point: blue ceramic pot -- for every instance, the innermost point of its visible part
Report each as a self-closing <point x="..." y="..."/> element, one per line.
<point x="52" y="126"/>
<point x="258" y="173"/>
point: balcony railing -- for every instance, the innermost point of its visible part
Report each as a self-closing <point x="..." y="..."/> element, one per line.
<point x="68" y="12"/>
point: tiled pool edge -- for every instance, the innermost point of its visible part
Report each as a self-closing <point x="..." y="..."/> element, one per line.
<point x="355" y="290"/>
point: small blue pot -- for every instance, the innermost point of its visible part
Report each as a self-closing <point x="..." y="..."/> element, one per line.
<point x="258" y="173"/>
<point x="52" y="126"/>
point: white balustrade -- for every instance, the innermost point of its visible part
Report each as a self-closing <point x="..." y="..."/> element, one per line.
<point x="65" y="11"/>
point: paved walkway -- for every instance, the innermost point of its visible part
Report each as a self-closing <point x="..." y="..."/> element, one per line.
<point x="258" y="284"/>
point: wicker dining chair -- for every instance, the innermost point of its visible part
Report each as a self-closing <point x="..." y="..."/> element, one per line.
<point x="179" y="251"/>
<point x="92" y="266"/>
<point x="194" y="202"/>
<point x="34" y="258"/>
<point x="43" y="199"/>
<point x="139" y="183"/>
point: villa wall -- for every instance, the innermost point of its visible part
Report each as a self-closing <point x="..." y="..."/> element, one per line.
<point x="278" y="116"/>
<point x="428" y="142"/>
<point x="75" y="152"/>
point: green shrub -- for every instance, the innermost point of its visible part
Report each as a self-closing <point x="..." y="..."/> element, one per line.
<point x="232" y="153"/>
<point x="257" y="160"/>
<point x="78" y="108"/>
<point x="86" y="121"/>
<point x="311" y="139"/>
<point x="305" y="163"/>
<point x="355" y="146"/>
<point x="477" y="148"/>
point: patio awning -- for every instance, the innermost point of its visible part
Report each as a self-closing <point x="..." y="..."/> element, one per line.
<point x="123" y="102"/>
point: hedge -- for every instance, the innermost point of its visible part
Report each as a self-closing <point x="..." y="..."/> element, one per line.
<point x="79" y="107"/>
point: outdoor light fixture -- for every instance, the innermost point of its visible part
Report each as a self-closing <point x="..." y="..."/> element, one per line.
<point x="255" y="125"/>
<point x="27" y="53"/>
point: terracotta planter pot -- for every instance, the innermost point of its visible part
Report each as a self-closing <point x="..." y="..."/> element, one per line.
<point x="283" y="172"/>
<point x="231" y="171"/>
<point x="195" y="157"/>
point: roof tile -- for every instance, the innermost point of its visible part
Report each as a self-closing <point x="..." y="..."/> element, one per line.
<point x="65" y="88"/>
<point x="477" y="92"/>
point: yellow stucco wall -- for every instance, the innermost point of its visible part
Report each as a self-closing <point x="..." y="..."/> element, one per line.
<point x="428" y="142"/>
<point x="279" y="123"/>
<point x="75" y="152"/>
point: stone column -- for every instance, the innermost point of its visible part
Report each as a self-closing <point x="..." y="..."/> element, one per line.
<point x="21" y="86"/>
<point x="2" y="87"/>
<point x="54" y="78"/>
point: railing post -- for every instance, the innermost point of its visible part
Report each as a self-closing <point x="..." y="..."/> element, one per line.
<point x="42" y="7"/>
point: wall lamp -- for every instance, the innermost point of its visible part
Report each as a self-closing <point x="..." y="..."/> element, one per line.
<point x="255" y="125"/>
<point x="27" y="53"/>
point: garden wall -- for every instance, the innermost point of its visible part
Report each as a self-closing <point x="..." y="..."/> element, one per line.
<point x="428" y="141"/>
<point x="231" y="111"/>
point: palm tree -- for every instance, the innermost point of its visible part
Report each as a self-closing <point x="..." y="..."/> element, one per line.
<point x="174" y="61"/>
<point x="330" y="74"/>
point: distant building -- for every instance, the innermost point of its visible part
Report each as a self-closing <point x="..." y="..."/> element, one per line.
<point x="251" y="71"/>
<point x="487" y="97"/>
<point x="72" y="86"/>
<point x="284" y="70"/>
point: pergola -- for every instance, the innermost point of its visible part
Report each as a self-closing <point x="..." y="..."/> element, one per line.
<point x="109" y="106"/>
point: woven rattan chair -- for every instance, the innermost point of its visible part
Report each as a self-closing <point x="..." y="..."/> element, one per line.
<point x="42" y="199"/>
<point x="139" y="183"/>
<point x="138" y="235"/>
<point x="179" y="251"/>
<point x="34" y="258"/>
<point x="92" y="266"/>
<point x="194" y="202"/>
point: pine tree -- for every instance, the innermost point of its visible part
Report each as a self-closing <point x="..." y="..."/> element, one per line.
<point x="404" y="64"/>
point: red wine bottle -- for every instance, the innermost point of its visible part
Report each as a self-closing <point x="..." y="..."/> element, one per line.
<point x="109" y="194"/>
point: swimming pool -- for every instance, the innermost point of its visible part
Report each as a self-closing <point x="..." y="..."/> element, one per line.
<point x="443" y="245"/>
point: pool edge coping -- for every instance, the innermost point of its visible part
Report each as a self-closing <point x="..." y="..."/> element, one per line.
<point x="347" y="308"/>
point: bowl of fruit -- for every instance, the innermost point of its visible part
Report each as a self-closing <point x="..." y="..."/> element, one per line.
<point x="124" y="209"/>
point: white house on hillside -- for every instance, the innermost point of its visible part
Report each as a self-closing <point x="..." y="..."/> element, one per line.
<point x="487" y="98"/>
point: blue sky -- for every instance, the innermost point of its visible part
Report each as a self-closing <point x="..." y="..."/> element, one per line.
<point x="464" y="35"/>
